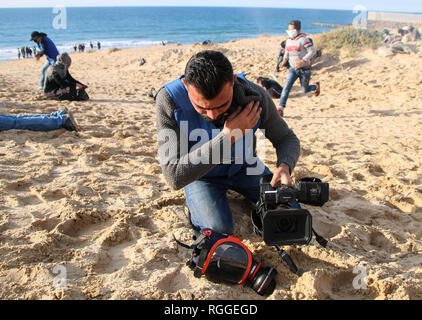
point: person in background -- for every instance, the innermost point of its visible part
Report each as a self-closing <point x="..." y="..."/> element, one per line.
<point x="415" y="33"/>
<point x="23" y="52"/>
<point x="281" y="52"/>
<point x="299" y="53"/>
<point x="272" y="87"/>
<point x="99" y="45"/>
<point x="19" y="53"/>
<point x="60" y="85"/>
<point x="46" y="47"/>
<point x="39" y="122"/>
<point x="28" y="52"/>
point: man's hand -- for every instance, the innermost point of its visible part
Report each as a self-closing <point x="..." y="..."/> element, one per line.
<point x="37" y="56"/>
<point x="241" y="120"/>
<point x="300" y="64"/>
<point x="280" y="110"/>
<point x="282" y="176"/>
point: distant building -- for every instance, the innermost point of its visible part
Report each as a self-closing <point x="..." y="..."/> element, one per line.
<point x="395" y="17"/>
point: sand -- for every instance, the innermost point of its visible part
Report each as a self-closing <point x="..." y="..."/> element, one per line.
<point x="94" y="209"/>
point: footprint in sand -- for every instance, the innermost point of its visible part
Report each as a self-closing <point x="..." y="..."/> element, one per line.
<point x="114" y="235"/>
<point x="4" y="221"/>
<point x="173" y="281"/>
<point x="51" y="195"/>
<point x="83" y="224"/>
<point x="99" y="134"/>
<point x="362" y="215"/>
<point x="326" y="229"/>
<point x="338" y="194"/>
<point x="380" y="241"/>
<point x="374" y="169"/>
<point x="46" y="224"/>
<point x="29" y="200"/>
<point x="331" y="284"/>
<point x="359" y="177"/>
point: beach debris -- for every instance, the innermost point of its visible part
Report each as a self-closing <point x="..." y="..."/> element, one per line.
<point x="142" y="62"/>
<point x="113" y="49"/>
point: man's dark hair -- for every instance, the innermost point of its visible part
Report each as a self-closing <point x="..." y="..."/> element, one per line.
<point x="208" y="71"/>
<point x="296" y="24"/>
<point x="34" y="34"/>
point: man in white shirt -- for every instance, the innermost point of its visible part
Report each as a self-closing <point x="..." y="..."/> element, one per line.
<point x="299" y="52"/>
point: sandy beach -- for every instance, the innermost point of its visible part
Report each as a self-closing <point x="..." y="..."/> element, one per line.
<point x="94" y="207"/>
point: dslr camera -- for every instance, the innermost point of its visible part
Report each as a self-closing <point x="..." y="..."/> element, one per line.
<point x="278" y="218"/>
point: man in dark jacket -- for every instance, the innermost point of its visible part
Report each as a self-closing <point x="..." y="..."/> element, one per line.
<point x="281" y="52"/>
<point x="272" y="87"/>
<point x="46" y="47"/>
<point x="59" y="84"/>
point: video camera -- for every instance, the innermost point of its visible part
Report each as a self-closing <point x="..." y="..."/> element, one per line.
<point x="278" y="218"/>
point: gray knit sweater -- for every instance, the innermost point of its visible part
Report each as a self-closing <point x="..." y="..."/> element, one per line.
<point x="179" y="169"/>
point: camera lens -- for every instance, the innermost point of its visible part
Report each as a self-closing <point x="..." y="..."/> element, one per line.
<point x="263" y="281"/>
<point x="286" y="225"/>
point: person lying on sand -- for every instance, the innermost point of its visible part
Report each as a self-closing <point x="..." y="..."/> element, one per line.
<point x="39" y="122"/>
<point x="224" y="110"/>
<point x="299" y="53"/>
<point x="272" y="87"/>
<point x="60" y="85"/>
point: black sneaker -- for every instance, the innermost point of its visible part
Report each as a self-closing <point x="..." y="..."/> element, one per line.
<point x="70" y="123"/>
<point x="152" y="93"/>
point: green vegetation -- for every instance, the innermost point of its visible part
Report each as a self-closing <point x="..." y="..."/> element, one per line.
<point x="350" y="39"/>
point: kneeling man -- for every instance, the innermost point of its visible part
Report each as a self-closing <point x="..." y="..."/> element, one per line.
<point x="203" y="119"/>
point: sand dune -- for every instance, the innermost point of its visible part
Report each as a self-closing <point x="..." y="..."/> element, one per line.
<point x="97" y="204"/>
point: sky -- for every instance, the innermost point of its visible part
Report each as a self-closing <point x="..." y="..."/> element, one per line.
<point x="370" y="5"/>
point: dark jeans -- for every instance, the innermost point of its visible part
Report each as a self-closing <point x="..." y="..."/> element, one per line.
<point x="35" y="122"/>
<point x="304" y="74"/>
<point x="207" y="200"/>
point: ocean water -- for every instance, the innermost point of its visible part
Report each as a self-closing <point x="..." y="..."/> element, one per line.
<point x="144" y="26"/>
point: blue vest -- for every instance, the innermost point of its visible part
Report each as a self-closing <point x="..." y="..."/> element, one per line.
<point x="49" y="49"/>
<point x="193" y="120"/>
